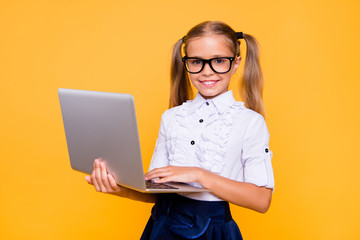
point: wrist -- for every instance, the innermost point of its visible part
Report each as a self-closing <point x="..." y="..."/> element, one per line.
<point x="121" y="192"/>
<point x="203" y="177"/>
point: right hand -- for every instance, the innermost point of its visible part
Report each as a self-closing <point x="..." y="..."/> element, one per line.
<point x="101" y="179"/>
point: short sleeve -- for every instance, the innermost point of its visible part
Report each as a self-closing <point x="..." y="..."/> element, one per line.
<point x="256" y="155"/>
<point x="160" y="155"/>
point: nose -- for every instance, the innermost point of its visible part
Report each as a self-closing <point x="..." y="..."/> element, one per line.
<point x="207" y="70"/>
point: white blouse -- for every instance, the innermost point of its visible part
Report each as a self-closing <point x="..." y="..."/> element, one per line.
<point x="220" y="135"/>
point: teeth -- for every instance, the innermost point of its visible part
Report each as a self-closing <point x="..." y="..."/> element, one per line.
<point x="208" y="82"/>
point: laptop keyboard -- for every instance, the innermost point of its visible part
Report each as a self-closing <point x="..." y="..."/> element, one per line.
<point x="151" y="185"/>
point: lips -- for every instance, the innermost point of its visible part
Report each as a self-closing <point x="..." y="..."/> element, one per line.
<point x="209" y="83"/>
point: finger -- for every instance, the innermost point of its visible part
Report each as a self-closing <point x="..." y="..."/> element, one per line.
<point x="160" y="169"/>
<point x="149" y="173"/>
<point x="93" y="177"/>
<point x="98" y="176"/>
<point x="104" y="178"/>
<point x="93" y="180"/>
<point x="165" y="179"/>
<point x="158" y="175"/>
<point x="88" y="179"/>
<point x="113" y="184"/>
<point x="158" y="172"/>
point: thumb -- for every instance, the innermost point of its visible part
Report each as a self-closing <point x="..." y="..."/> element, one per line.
<point x="88" y="179"/>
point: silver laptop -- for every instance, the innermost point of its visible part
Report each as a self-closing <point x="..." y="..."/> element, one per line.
<point x="103" y="125"/>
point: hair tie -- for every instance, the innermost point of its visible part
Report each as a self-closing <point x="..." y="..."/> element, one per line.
<point x="239" y="35"/>
<point x="183" y="39"/>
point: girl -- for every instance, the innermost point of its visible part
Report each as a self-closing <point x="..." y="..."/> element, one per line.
<point x="211" y="141"/>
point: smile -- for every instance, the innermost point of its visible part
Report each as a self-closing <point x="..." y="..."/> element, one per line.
<point x="209" y="83"/>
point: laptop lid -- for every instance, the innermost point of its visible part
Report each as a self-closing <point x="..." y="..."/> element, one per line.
<point x="103" y="125"/>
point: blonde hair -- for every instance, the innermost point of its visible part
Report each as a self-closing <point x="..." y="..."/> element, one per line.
<point x="251" y="86"/>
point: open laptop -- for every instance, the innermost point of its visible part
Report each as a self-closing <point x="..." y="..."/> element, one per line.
<point x="103" y="125"/>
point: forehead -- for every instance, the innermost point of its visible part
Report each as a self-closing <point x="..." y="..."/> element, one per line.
<point x="208" y="46"/>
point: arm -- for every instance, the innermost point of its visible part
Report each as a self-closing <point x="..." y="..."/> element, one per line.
<point x="105" y="183"/>
<point x="240" y="193"/>
<point x="243" y="194"/>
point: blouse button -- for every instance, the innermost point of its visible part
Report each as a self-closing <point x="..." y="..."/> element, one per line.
<point x="201" y="120"/>
<point x="207" y="103"/>
<point x="266" y="150"/>
<point x="192" y="142"/>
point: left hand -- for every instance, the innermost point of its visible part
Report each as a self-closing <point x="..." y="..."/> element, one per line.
<point x="174" y="174"/>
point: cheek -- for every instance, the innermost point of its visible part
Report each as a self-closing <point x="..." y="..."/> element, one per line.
<point x="193" y="78"/>
<point x="227" y="77"/>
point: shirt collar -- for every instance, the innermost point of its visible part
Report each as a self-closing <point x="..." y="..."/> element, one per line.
<point x="221" y="102"/>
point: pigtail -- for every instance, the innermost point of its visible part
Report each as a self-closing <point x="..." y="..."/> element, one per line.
<point x="252" y="80"/>
<point x="180" y="89"/>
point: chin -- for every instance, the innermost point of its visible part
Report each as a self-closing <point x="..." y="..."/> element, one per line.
<point x="211" y="94"/>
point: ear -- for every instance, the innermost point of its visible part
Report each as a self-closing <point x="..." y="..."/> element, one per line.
<point x="236" y="64"/>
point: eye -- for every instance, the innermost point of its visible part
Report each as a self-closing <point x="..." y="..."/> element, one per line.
<point x="195" y="61"/>
<point x="218" y="61"/>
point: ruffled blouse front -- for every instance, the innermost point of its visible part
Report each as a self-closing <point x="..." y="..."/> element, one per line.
<point x="220" y="135"/>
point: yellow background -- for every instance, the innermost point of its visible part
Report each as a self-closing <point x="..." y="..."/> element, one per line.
<point x="310" y="57"/>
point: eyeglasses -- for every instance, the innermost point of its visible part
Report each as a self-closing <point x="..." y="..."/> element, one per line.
<point x="218" y="65"/>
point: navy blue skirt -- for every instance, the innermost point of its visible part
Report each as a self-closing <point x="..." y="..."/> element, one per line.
<point x="176" y="217"/>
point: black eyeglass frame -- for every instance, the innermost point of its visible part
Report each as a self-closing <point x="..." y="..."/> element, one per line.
<point x="208" y="61"/>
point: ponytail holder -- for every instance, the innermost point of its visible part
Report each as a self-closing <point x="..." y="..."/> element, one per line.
<point x="239" y="35"/>
<point x="183" y="39"/>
